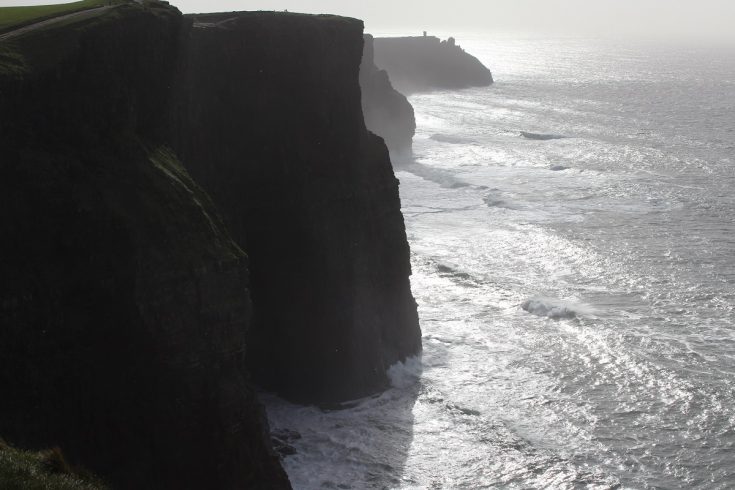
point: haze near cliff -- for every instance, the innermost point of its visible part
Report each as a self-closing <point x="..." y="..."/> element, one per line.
<point x="624" y="18"/>
<point x="677" y="19"/>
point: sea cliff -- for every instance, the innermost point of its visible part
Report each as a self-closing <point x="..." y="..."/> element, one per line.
<point x="422" y="63"/>
<point x="387" y="112"/>
<point x="271" y="126"/>
<point x="131" y="313"/>
<point x="123" y="300"/>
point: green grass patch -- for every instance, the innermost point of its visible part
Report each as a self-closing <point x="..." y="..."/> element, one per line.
<point x="12" y="63"/>
<point x="42" y="470"/>
<point x="192" y="205"/>
<point x="16" y="17"/>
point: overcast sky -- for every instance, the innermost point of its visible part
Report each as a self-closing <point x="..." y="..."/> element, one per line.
<point x="679" y="18"/>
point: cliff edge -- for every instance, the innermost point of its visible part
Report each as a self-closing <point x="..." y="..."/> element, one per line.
<point x="422" y="63"/>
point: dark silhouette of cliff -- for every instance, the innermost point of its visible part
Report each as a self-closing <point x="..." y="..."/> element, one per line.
<point x="387" y="112"/>
<point x="125" y="300"/>
<point x="421" y="63"/>
<point x="271" y="126"/>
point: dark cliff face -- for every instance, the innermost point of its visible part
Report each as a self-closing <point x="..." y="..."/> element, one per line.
<point x="123" y="300"/>
<point x="387" y="112"/>
<point x="124" y="303"/>
<point x="424" y="63"/>
<point x="271" y="126"/>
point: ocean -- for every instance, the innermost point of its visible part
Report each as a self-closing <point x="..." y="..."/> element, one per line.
<point x="572" y="230"/>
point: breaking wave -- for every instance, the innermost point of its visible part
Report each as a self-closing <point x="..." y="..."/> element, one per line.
<point x="446" y="138"/>
<point x="405" y="374"/>
<point x="551" y="308"/>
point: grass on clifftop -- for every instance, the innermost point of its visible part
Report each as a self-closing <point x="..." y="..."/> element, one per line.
<point x="199" y="217"/>
<point x="14" y="17"/>
<point x="44" y="470"/>
<point x="11" y="61"/>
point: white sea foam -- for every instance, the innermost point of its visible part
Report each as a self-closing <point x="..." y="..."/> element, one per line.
<point x="630" y="251"/>
<point x="553" y="308"/>
<point x="405" y="374"/>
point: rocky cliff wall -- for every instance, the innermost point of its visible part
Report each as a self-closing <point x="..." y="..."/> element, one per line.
<point x="124" y="303"/>
<point x="123" y="300"/>
<point x="424" y="63"/>
<point x="387" y="112"/>
<point x="271" y="126"/>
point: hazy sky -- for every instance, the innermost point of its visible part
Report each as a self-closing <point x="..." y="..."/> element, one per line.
<point x="679" y="18"/>
<point x="606" y="17"/>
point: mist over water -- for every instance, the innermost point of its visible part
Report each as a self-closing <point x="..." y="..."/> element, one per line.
<point x="573" y="250"/>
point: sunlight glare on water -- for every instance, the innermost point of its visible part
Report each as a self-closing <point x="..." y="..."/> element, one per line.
<point x="573" y="254"/>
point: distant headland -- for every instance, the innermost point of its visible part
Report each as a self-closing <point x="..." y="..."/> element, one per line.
<point x="425" y="62"/>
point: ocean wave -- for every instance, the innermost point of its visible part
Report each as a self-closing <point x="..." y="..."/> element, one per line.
<point x="439" y="176"/>
<point x="494" y="203"/>
<point x="551" y="308"/>
<point x="451" y="271"/>
<point x="541" y="136"/>
<point x="447" y="138"/>
<point x="405" y="374"/>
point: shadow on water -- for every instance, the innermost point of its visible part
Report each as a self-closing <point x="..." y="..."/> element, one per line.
<point x="541" y="136"/>
<point x="365" y="444"/>
<point x="451" y="139"/>
<point x="445" y="178"/>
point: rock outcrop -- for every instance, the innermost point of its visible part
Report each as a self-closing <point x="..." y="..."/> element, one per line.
<point x="272" y="127"/>
<point x="387" y="112"/>
<point x="417" y="64"/>
<point x="123" y="300"/>
<point x="47" y="470"/>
